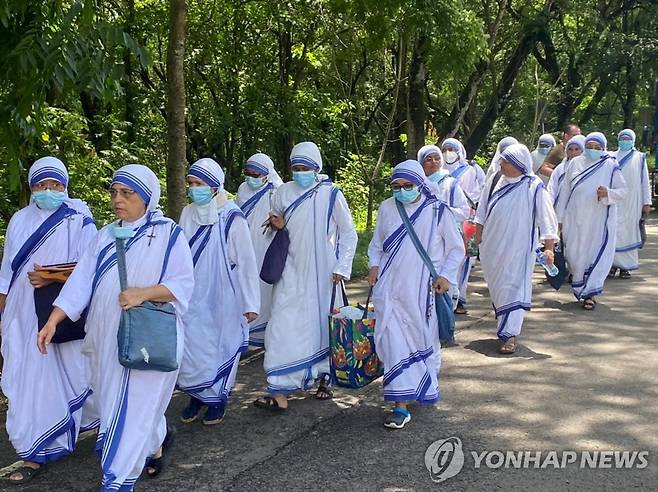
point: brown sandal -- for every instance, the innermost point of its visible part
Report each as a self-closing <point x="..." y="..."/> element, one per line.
<point x="589" y="304"/>
<point x="460" y="309"/>
<point x="508" y="347"/>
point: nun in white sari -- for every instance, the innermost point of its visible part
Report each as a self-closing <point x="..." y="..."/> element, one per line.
<point x="575" y="147"/>
<point x="131" y="403"/>
<point x="255" y="199"/>
<point x="514" y="214"/>
<point x="633" y="165"/>
<point x="226" y="293"/>
<point x="544" y="145"/>
<point x="454" y="156"/>
<point x="45" y="394"/>
<point x="322" y="246"/>
<point x="587" y="211"/>
<point x="407" y="328"/>
<point x="494" y="165"/>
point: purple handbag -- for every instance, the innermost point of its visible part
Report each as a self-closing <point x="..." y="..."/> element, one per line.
<point x="275" y="257"/>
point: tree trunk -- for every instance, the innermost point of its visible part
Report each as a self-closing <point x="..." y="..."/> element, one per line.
<point x="176" y="163"/>
<point x="416" y="98"/>
<point x="100" y="132"/>
<point x="130" y="90"/>
<point x="501" y="95"/>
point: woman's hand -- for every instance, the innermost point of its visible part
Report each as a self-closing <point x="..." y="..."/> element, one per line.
<point x="646" y="209"/>
<point x="36" y="279"/>
<point x="250" y="316"/>
<point x="131" y="297"/>
<point x="373" y="275"/>
<point x="601" y="192"/>
<point x="45" y="336"/>
<point x="550" y="257"/>
<point x="337" y="278"/>
<point x="276" y="221"/>
<point x="441" y="285"/>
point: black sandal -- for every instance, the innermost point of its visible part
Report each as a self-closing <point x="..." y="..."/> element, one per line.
<point x="27" y="474"/>
<point x="589" y="304"/>
<point x="323" y="392"/>
<point x="624" y="274"/>
<point x="269" y="403"/>
<point x="158" y="464"/>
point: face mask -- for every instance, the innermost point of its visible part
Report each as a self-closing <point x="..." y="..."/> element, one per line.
<point x="48" y="199"/>
<point x="304" y="178"/>
<point x="405" y="196"/>
<point x="625" y="145"/>
<point x="593" y="154"/>
<point x="543" y="150"/>
<point x="255" y="183"/>
<point x="450" y="156"/>
<point x="438" y="176"/>
<point x="200" y="195"/>
<point x="121" y="232"/>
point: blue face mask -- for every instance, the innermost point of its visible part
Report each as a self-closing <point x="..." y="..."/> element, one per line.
<point x="119" y="232"/>
<point x="438" y="176"/>
<point x="200" y="194"/>
<point x="593" y="154"/>
<point x="255" y="183"/>
<point x="625" y="145"/>
<point x="405" y="196"/>
<point x="543" y="150"/>
<point x="304" y="178"/>
<point x="48" y="199"/>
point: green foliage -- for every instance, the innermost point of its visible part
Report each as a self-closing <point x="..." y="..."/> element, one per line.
<point x="360" y="263"/>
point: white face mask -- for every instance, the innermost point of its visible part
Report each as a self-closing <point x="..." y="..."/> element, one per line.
<point x="450" y="156"/>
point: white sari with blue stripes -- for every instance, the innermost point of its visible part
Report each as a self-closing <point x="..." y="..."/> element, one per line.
<point x="589" y="225"/>
<point x="407" y="332"/>
<point x="633" y="165"/>
<point x="46" y="393"/>
<point x="130" y="403"/>
<point x="256" y="205"/>
<point x="225" y="287"/>
<point x="513" y="217"/>
<point x="322" y="241"/>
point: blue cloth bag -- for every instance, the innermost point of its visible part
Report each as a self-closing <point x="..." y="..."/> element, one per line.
<point x="147" y="335"/>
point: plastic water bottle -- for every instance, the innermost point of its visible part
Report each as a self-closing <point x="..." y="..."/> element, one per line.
<point x="552" y="270"/>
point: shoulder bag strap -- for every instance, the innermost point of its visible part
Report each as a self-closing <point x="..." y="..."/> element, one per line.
<point x="121" y="263"/>
<point x="416" y="242"/>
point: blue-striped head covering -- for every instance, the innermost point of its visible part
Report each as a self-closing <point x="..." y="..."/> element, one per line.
<point x="48" y="168"/>
<point x="546" y="139"/>
<point x="262" y="164"/>
<point x="208" y="171"/>
<point x="577" y="140"/>
<point x="412" y="171"/>
<point x="457" y="146"/>
<point x="428" y="150"/>
<point x="141" y="180"/>
<point x="518" y="156"/>
<point x="306" y="154"/>
<point x="597" y="137"/>
<point x="627" y="132"/>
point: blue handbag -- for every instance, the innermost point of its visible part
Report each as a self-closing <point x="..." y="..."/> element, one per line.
<point x="442" y="302"/>
<point x="147" y="336"/>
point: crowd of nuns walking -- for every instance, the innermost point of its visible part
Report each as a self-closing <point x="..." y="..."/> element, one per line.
<point x="576" y="194"/>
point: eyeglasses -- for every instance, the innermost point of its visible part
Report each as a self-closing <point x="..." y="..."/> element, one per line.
<point x="407" y="187"/>
<point x="123" y="192"/>
<point x="48" y="186"/>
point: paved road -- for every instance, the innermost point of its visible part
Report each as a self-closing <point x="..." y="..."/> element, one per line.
<point x="580" y="382"/>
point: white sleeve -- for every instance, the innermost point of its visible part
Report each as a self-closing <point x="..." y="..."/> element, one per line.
<point x="76" y="292"/>
<point x="483" y="203"/>
<point x="179" y="274"/>
<point x="347" y="237"/>
<point x="565" y="193"/>
<point x="376" y="246"/>
<point x="8" y="253"/>
<point x="241" y="254"/>
<point x="458" y="202"/>
<point x="546" y="218"/>
<point x="618" y="191"/>
<point x="647" y="199"/>
<point x="453" y="248"/>
<point x="469" y="184"/>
